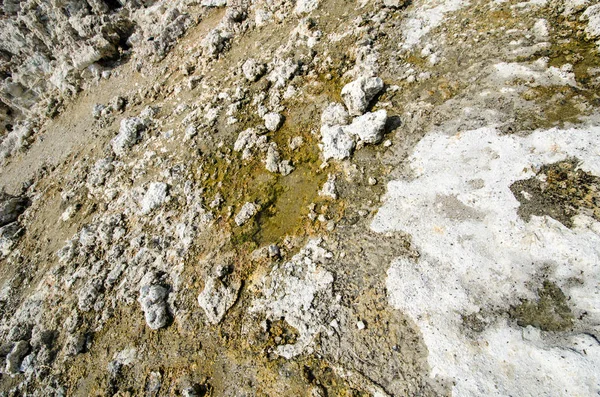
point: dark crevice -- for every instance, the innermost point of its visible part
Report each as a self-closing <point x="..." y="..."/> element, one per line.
<point x="113" y="5"/>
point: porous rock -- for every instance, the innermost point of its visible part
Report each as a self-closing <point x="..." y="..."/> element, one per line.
<point x="369" y="127"/>
<point x="155" y="196"/>
<point x="334" y="114"/>
<point x="336" y="143"/>
<point x="247" y="211"/>
<point x="16" y="356"/>
<point x="358" y="94"/>
<point x="153" y="301"/>
<point x="217" y="298"/>
<point x="11" y="207"/>
<point x="129" y="135"/>
<point x="273" y="121"/>
<point x="253" y="70"/>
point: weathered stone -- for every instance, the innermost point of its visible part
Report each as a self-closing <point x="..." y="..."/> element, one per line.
<point x="11" y="207"/>
<point x="217" y="298"/>
<point x="156" y="195"/>
<point x="334" y="114"/>
<point x="358" y="94"/>
<point x="336" y="143"/>
<point x="129" y="135"/>
<point x="273" y="121"/>
<point x="253" y="70"/>
<point x="247" y="211"/>
<point x="153" y="301"/>
<point x="16" y="356"/>
<point x="369" y="127"/>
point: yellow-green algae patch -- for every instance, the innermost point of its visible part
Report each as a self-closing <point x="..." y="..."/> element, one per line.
<point x="283" y="200"/>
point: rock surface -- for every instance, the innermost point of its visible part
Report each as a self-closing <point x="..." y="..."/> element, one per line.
<point x="217" y="298"/>
<point x="247" y="211"/>
<point x="240" y="198"/>
<point x="337" y="143"/>
<point x="334" y="114"/>
<point x="273" y="121"/>
<point x="153" y="301"/>
<point x="369" y="127"/>
<point x="156" y="195"/>
<point x="10" y="208"/>
<point x="129" y="135"/>
<point x="358" y="94"/>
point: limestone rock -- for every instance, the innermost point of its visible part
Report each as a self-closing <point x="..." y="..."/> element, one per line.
<point x="153" y="301"/>
<point x="217" y="298"/>
<point x="395" y="3"/>
<point x="16" y="356"/>
<point x="75" y="344"/>
<point x="541" y="30"/>
<point x="592" y="15"/>
<point x="329" y="189"/>
<point x="129" y="135"/>
<point x="358" y="94"/>
<point x="299" y="291"/>
<point x="156" y="195"/>
<point x="336" y="143"/>
<point x="247" y="211"/>
<point x="306" y="6"/>
<point x="215" y="42"/>
<point x="214" y="3"/>
<point x="273" y="121"/>
<point x="334" y="114"/>
<point x="272" y="160"/>
<point x="11" y="207"/>
<point x="253" y="70"/>
<point x="369" y="127"/>
<point x="102" y="168"/>
<point x="247" y="141"/>
<point x="574" y="6"/>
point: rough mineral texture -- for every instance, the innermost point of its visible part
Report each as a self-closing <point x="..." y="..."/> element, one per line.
<point x="299" y="198"/>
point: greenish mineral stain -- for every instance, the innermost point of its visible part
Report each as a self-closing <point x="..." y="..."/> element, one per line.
<point x="549" y="313"/>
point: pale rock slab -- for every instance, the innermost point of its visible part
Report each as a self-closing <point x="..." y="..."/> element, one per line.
<point x="214" y="3"/>
<point x="247" y="211"/>
<point x="329" y="189"/>
<point x="129" y="135"/>
<point x="253" y="70"/>
<point x="592" y="15"/>
<point x="9" y="235"/>
<point x="16" y="356"/>
<point x="358" y="94"/>
<point x="541" y="30"/>
<point x="334" y="114"/>
<point x="300" y="291"/>
<point x="153" y="299"/>
<point x="477" y="254"/>
<point x="369" y="127"/>
<point x="336" y="143"/>
<point x="11" y="207"/>
<point x="273" y="121"/>
<point x="306" y="6"/>
<point x="217" y="298"/>
<point x="156" y="195"/>
<point x="247" y="141"/>
<point x="574" y="6"/>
